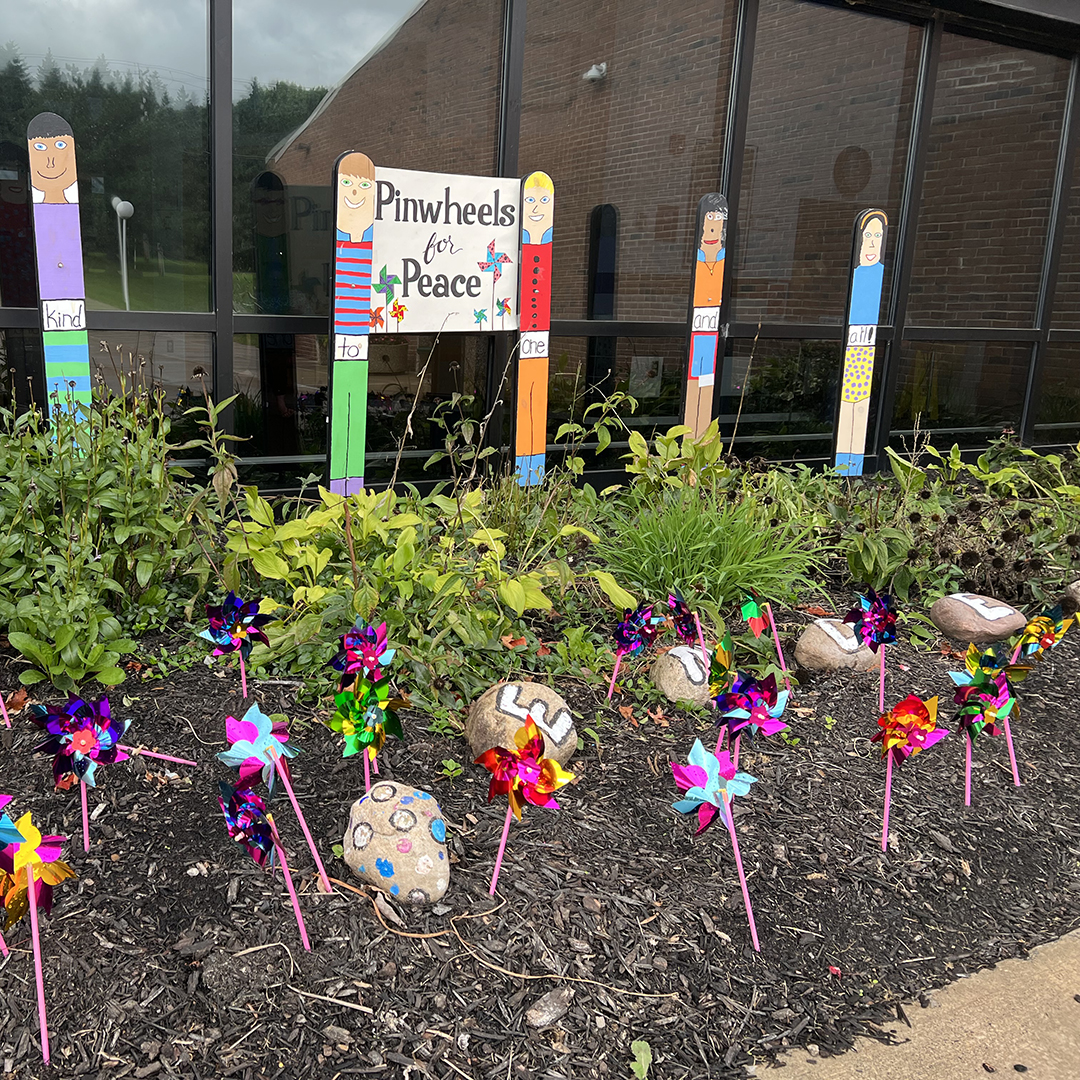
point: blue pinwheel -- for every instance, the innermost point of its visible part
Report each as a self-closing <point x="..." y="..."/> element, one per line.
<point x="709" y="782"/>
<point x="480" y="316"/>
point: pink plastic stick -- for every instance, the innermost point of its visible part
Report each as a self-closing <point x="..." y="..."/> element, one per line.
<point x="701" y="642"/>
<point x="738" y="743"/>
<point x="720" y="740"/>
<point x="280" y="848"/>
<point x="38" y="974"/>
<point x="742" y="873"/>
<point x="888" y="797"/>
<point x="243" y="677"/>
<point x="3" y="709"/>
<point x="967" y="772"/>
<point x="85" y="818"/>
<point x="283" y="776"/>
<point x="3" y="946"/>
<point x="1012" y="753"/>
<point x="881" y="687"/>
<point x="367" y="770"/>
<point x="375" y="764"/>
<point x="1016" y="654"/>
<point x="779" y="651"/>
<point x="614" y="674"/>
<point x="502" y="849"/>
<point x="150" y="753"/>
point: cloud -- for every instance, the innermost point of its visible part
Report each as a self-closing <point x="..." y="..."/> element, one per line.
<point x="313" y="42"/>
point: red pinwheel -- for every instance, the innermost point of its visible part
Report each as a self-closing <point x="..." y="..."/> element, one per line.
<point x="906" y="729"/>
<point x="758" y="615"/>
<point x="522" y="775"/>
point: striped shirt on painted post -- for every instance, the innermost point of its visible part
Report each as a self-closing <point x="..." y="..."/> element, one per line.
<point x="352" y="285"/>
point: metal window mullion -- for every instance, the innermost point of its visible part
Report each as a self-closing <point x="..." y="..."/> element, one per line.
<point x="221" y="179"/>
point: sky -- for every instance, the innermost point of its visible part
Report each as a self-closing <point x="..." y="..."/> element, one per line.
<point x="310" y="42"/>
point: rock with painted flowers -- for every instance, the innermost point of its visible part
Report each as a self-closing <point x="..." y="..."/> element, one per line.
<point x="682" y="674"/>
<point x="498" y="713"/>
<point x="969" y="617"/>
<point x="396" y="841"/>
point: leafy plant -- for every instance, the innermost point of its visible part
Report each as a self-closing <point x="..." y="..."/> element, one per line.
<point x="642" y="1058"/>
<point x="451" y="769"/>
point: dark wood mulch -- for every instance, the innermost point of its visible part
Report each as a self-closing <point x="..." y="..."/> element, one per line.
<point x="172" y="954"/>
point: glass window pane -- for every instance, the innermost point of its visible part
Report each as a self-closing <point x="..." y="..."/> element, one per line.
<point x="989" y="179"/>
<point x="1066" y="314"/>
<point x="779" y="398"/>
<point x="1058" y="418"/>
<point x="627" y="117"/>
<point x="966" y="392"/>
<point x="827" y="136"/>
<point x="412" y="86"/>
<point x="177" y="362"/>
<point x="141" y="135"/>
<point x="282" y="407"/>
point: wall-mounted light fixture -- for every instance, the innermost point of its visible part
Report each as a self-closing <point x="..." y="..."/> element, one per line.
<point x="596" y="72"/>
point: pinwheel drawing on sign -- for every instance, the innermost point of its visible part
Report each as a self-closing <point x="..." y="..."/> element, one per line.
<point x="874" y="622"/>
<point x="750" y="706"/>
<point x="981" y="670"/>
<point x="687" y="624"/>
<point x="980" y="705"/>
<point x="234" y="626"/>
<point x="493" y="265"/>
<point x="375" y="320"/>
<point x="258" y="746"/>
<point x="1042" y="633"/>
<point x="81" y="736"/>
<point x="752" y="611"/>
<point x="385" y="286"/>
<point x="249" y="823"/>
<point x="480" y="317"/>
<point x="29" y="869"/>
<point x="397" y="313"/>
<point x="502" y="309"/>
<point x="709" y="782"/>
<point x="636" y="632"/>
<point x="522" y="775"/>
<point x="906" y="729"/>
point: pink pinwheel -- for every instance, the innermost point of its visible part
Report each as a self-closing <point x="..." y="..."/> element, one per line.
<point x="364" y="651"/>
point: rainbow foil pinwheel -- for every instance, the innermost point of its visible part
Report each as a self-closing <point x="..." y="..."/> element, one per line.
<point x="709" y="782"/>
<point x="522" y="775"/>
<point x="259" y="747"/>
<point x="81" y="735"/>
<point x="637" y="631"/>
<point x="365" y="715"/>
<point x="906" y="729"/>
<point x="753" y="613"/>
<point x="682" y="618"/>
<point x="1042" y="633"/>
<point x="364" y="651"/>
<point x="249" y="823"/>
<point x="980" y="705"/>
<point x="752" y="706"/>
<point x="874" y="620"/>
<point x="30" y="867"/>
<point x="234" y="627"/>
<point x="721" y="668"/>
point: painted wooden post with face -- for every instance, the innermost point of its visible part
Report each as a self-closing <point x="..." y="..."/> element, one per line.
<point x="350" y="320"/>
<point x="58" y="246"/>
<point x="530" y="432"/>
<point x="860" y="339"/>
<point x="706" y="296"/>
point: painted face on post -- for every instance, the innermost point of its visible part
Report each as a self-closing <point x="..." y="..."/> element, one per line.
<point x="712" y="235"/>
<point x="873" y="242"/>
<point x="356" y="196"/>
<point x="539" y="204"/>
<point x="52" y="166"/>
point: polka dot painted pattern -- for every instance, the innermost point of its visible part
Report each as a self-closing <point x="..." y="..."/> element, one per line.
<point x="858" y="373"/>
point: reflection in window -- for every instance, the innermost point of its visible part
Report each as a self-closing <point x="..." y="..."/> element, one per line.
<point x="827" y="135"/>
<point x="415" y="86"/>
<point x="642" y="134"/>
<point x="1066" y="312"/>
<point x="281" y="410"/>
<point x="986" y="196"/>
<point x="960" y="391"/>
<point x="141" y="133"/>
<point x="1058" y="419"/>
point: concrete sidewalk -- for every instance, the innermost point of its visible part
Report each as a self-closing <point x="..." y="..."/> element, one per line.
<point x="1020" y="1018"/>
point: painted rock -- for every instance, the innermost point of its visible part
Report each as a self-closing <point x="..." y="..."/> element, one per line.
<point x="498" y="713"/>
<point x="968" y="617"/>
<point x="831" y="645"/>
<point x="396" y="841"/>
<point x="680" y="674"/>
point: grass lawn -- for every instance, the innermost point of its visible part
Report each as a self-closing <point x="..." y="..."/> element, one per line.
<point x="185" y="286"/>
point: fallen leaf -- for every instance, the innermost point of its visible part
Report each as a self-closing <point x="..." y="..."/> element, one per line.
<point x="628" y="714"/>
<point x="511" y="642"/>
<point x="815" y="610"/>
<point x="543" y="650"/>
<point x="134" y="665"/>
<point x="17" y="701"/>
<point x="802" y="711"/>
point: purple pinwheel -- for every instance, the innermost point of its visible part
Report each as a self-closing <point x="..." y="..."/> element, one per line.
<point x="81" y="736"/>
<point x="235" y="625"/>
<point x="683" y="618"/>
<point x="364" y="652"/>
<point x="752" y="706"/>
<point x="634" y="634"/>
<point x="874" y="620"/>
<point x="245" y="818"/>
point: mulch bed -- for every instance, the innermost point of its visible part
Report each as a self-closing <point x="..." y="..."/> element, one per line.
<point x="173" y="955"/>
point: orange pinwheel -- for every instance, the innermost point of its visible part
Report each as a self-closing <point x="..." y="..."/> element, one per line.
<point x="523" y="774"/>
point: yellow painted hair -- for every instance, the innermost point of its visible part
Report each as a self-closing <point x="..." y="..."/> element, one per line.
<point x="870" y="215"/>
<point x="540" y="179"/>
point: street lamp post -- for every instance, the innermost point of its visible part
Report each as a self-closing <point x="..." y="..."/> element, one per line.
<point x="124" y="210"/>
